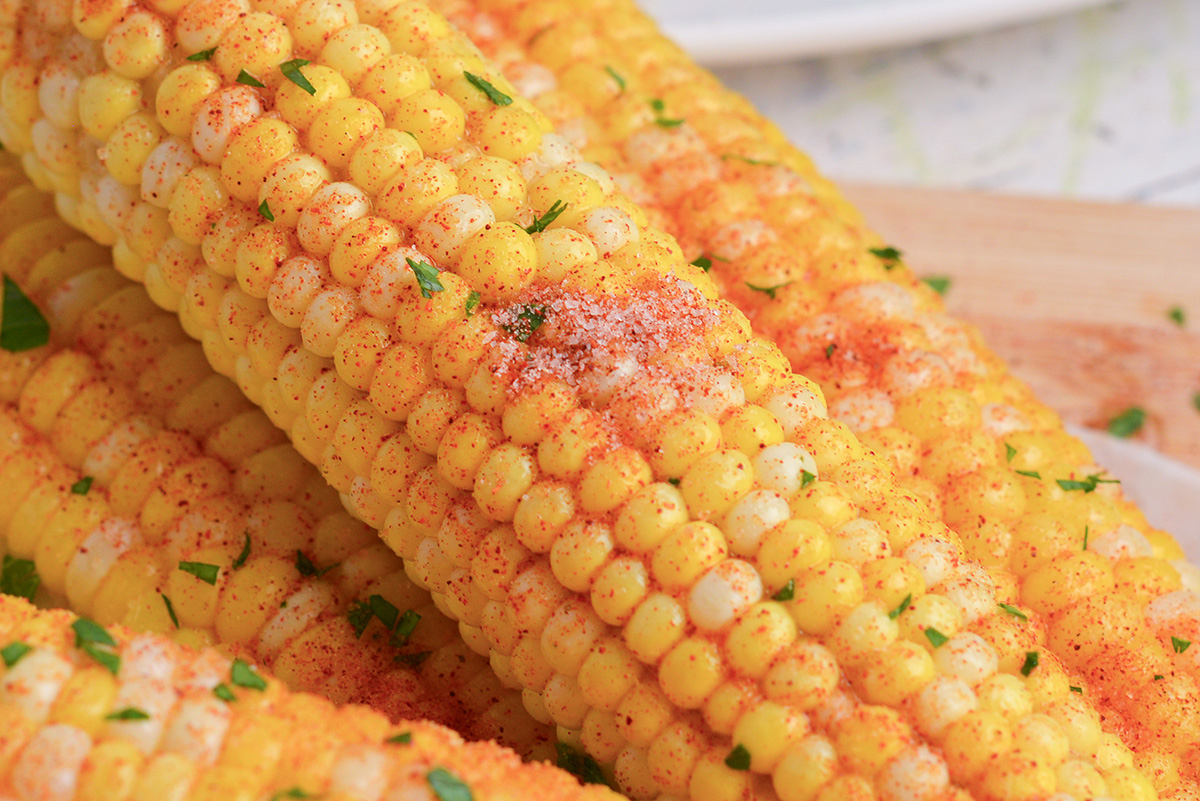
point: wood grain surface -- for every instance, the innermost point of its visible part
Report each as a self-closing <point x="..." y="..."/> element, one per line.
<point x="1075" y="295"/>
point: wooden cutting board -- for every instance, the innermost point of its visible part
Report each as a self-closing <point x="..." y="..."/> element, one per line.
<point x="1075" y="295"/>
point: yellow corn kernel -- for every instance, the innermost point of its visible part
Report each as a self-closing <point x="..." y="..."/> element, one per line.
<point x="503" y="479"/>
<point x="870" y="737"/>
<point x="85" y="699"/>
<point x="252" y="596"/>
<point x="257" y="44"/>
<point x="340" y="127"/>
<point x="414" y="190"/>
<point x="689" y="551"/>
<point x="690" y="672"/>
<point x="655" y="627"/>
<point x="110" y="771"/>
<point x="824" y="594"/>
<point x="613" y="479"/>
<point x="106" y="99"/>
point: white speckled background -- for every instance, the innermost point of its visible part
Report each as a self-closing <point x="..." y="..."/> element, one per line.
<point x="1101" y="104"/>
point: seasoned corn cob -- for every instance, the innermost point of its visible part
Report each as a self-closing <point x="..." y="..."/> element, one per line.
<point x="920" y="389"/>
<point x="148" y="536"/>
<point x="92" y="713"/>
<point x="618" y="491"/>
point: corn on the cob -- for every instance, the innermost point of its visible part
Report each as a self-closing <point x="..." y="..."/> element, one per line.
<point x="92" y="713"/>
<point x="160" y="559"/>
<point x="613" y="597"/>
<point x="919" y="388"/>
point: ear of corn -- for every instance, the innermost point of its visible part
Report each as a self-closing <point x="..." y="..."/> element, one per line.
<point x="94" y="712"/>
<point x="210" y="531"/>
<point x="635" y="510"/>
<point x="918" y="388"/>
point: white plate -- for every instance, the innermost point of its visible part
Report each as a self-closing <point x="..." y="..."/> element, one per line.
<point x="750" y="31"/>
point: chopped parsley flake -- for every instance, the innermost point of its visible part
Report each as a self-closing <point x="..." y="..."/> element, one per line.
<point x="829" y="349"/>
<point x="616" y="76"/>
<point x="1180" y="645"/>
<point x="82" y="486"/>
<point x="244" y="555"/>
<point x="769" y="291"/>
<point x="403" y="738"/>
<point x="19" y="577"/>
<point x="249" y="80"/>
<point x="448" y="787"/>
<point x="580" y="765"/>
<point x="1159" y="677"/>
<point x="223" y="692"/>
<point x="529" y="320"/>
<point x="242" y="675"/>
<point x="493" y="94"/>
<point x="936" y="637"/>
<point x="170" y="609"/>
<point x="201" y="570"/>
<point x="1196" y="401"/>
<point x="659" y="107"/>
<point x="385" y="610"/>
<point x="1089" y="484"/>
<point x="787" y="593"/>
<point x="128" y="713"/>
<point x="265" y="210"/>
<point x="1176" y="315"/>
<point x="1029" y="474"/>
<point x="471" y="303"/>
<point x="14" y="652"/>
<point x="1127" y="423"/>
<point x="412" y="660"/>
<point x="427" y="277"/>
<point x="1075" y="689"/>
<point x="404" y="628"/>
<point x="889" y="255"/>
<point x="806" y="478"/>
<point x="938" y="283"/>
<point x="899" y="610"/>
<point x="1031" y="662"/>
<point x="748" y="160"/>
<point x="305" y="566"/>
<point x="1009" y="452"/>
<point x="703" y="262"/>
<point x="673" y="482"/>
<point x="291" y="792"/>
<point x="203" y="55"/>
<point x="291" y="71"/>
<point x="22" y="325"/>
<point x="542" y="223"/>
<point x="95" y="641"/>
<point x="1014" y="611"/>
<point x="738" y="758"/>
<point x="1086" y="532"/>
<point x="360" y="615"/>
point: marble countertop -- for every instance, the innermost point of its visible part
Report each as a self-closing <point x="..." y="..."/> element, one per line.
<point x="1102" y="104"/>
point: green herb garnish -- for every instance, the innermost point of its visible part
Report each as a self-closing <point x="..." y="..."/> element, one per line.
<point x="22" y="325"/>
<point x="447" y="786"/>
<point x="82" y="486"/>
<point x="249" y="80"/>
<point x="1029" y="474"/>
<point x="1014" y="611"/>
<point x="542" y="223"/>
<point x="1031" y="662"/>
<point x="201" y="570"/>
<point x="242" y="675"/>
<point x="1127" y="423"/>
<point x="128" y="713"/>
<point x="1180" y="645"/>
<point x="19" y="577"/>
<point x="1176" y="315"/>
<point x="738" y="758"/>
<point x="170" y="609"/>
<point x="787" y="593"/>
<point x="223" y="692"/>
<point x="529" y="320"/>
<point x="291" y="71"/>
<point x="245" y="554"/>
<point x="936" y="637"/>
<point x="899" y="610"/>
<point x="14" y="652"/>
<point x="493" y="94"/>
<point x="265" y="210"/>
<point x="403" y="738"/>
<point x="471" y="303"/>
<point x="427" y="277"/>
<point x="769" y="291"/>
<point x="938" y="283"/>
<point x="203" y="55"/>
<point x="1089" y="484"/>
